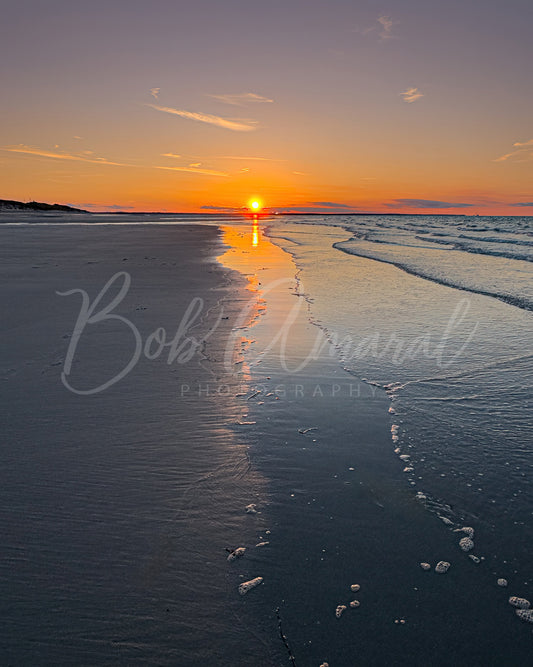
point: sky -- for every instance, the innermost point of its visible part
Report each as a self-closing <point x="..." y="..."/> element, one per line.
<point x="411" y="106"/>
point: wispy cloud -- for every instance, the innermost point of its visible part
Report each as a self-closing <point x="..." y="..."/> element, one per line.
<point x="411" y="95"/>
<point x="154" y="92"/>
<point x="76" y="157"/>
<point x="238" y="125"/>
<point x="247" y="157"/>
<point x="174" y="155"/>
<point x="523" y="152"/>
<point x="240" y="99"/>
<point x="195" y="170"/>
<point x="427" y="203"/>
<point x="330" y="204"/>
<point x="386" y="27"/>
<point x="383" y="28"/>
<point x="40" y="153"/>
<point x="522" y="203"/>
<point x="220" y="208"/>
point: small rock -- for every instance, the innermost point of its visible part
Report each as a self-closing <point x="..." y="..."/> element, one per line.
<point x="248" y="585"/>
<point x="354" y="604"/>
<point x="262" y="544"/>
<point x="236" y="553"/>
<point x="339" y="610"/>
<point x="446" y="521"/>
<point x="474" y="558"/>
<point x="251" y="509"/>
<point x="521" y="603"/>
<point x="425" y="566"/>
<point x="525" y="614"/>
<point x="442" y="566"/>
<point x="502" y="582"/>
<point x="325" y="664"/>
<point x="405" y="457"/>
<point x="355" y="587"/>
<point x="466" y="544"/>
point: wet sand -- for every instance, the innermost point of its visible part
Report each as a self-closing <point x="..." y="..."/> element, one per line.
<point x="118" y="505"/>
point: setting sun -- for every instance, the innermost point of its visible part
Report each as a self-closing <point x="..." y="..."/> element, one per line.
<point x="255" y="205"/>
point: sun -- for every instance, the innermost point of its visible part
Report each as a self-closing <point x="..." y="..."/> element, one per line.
<point x="254" y="205"/>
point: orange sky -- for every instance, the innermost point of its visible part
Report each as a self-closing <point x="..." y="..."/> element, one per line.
<point x="418" y="108"/>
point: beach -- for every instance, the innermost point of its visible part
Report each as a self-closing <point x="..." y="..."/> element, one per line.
<point x="178" y="388"/>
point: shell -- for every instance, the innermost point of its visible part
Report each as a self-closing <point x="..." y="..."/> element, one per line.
<point x="442" y="566"/>
<point x="236" y="553"/>
<point x="339" y="610"/>
<point x="525" y="615"/>
<point x="466" y="544"/>
<point x="248" y="585"/>
<point x="521" y="603"/>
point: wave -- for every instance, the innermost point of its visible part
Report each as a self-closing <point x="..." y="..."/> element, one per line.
<point x="519" y="301"/>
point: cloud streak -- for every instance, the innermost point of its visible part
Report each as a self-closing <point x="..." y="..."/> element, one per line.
<point x="522" y="203"/>
<point x="428" y="203"/>
<point x="330" y="204"/>
<point x="523" y="152"/>
<point x="195" y="170"/>
<point x="411" y="95"/>
<point x="38" y="152"/>
<point x="240" y="99"/>
<point x="154" y="92"/>
<point x="237" y="125"/>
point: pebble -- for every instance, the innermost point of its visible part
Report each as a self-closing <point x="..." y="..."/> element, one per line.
<point x="521" y="603"/>
<point x="466" y="544"/>
<point x="354" y="604"/>
<point x="236" y="553"/>
<point x="248" y="585"/>
<point x="339" y="610"/>
<point x="446" y="521"/>
<point x="251" y="509"/>
<point x="405" y="457"/>
<point x="474" y="558"/>
<point x="425" y="566"/>
<point x="525" y="614"/>
<point x="502" y="582"/>
<point x="354" y="588"/>
<point x="442" y="566"/>
<point x="262" y="544"/>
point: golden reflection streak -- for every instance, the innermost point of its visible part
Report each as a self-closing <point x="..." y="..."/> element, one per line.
<point x="255" y="232"/>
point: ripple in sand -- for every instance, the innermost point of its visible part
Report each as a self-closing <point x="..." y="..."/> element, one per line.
<point x="442" y="566"/>
<point x="248" y="585"/>
<point x="521" y="603"/>
<point x="236" y="553"/>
